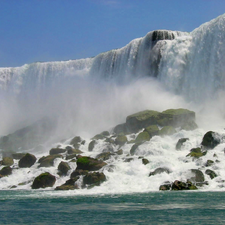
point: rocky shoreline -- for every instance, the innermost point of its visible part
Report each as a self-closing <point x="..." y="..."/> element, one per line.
<point x="138" y="129"/>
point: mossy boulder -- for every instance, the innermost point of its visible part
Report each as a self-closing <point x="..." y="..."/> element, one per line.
<point x="92" y="145"/>
<point x="5" y="171"/>
<point x="7" y="161"/>
<point x="152" y="130"/>
<point x="159" y="171"/>
<point x="48" y="161"/>
<point x="63" y="168"/>
<point x="211" y="173"/>
<point x="196" y="153"/>
<point x="167" y="130"/>
<point x="120" y="140"/>
<point x="27" y="161"/>
<point x="175" y="117"/>
<point x="180" y="143"/>
<point x="88" y="163"/>
<point x="93" y="179"/>
<point x="121" y="129"/>
<point x="43" y="180"/>
<point x="179" y="186"/>
<point x="210" y="140"/>
<point x="140" y="120"/>
<point x="55" y="151"/>
<point x="142" y="137"/>
<point x="68" y="185"/>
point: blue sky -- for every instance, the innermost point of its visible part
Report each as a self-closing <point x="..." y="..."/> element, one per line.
<point x="52" y="30"/>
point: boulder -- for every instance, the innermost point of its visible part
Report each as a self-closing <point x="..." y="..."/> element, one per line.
<point x="166" y="186"/>
<point x="74" y="151"/>
<point x="43" y="180"/>
<point x="7" y="161"/>
<point x="175" y="117"/>
<point x="141" y="120"/>
<point x="210" y="140"/>
<point x="211" y="173"/>
<point x="196" y="153"/>
<point x="197" y="176"/>
<point x="72" y="156"/>
<point x="120" y="129"/>
<point x="120" y="140"/>
<point x="167" y="130"/>
<point x="179" y="185"/>
<point x="63" y="168"/>
<point x="48" y="161"/>
<point x="5" y="171"/>
<point x="104" y="156"/>
<point x="134" y="148"/>
<point x="93" y="179"/>
<point x="27" y="161"/>
<point x="55" y="151"/>
<point x="92" y="145"/>
<point x="152" y="130"/>
<point x="119" y="152"/>
<point x="209" y="163"/>
<point x="145" y="161"/>
<point x="142" y="137"/>
<point x="88" y="163"/>
<point x="69" y="185"/>
<point x="180" y="143"/>
<point x="78" y="172"/>
<point x="76" y="141"/>
<point x="159" y="170"/>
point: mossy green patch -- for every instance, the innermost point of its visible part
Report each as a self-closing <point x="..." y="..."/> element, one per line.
<point x="142" y="137"/>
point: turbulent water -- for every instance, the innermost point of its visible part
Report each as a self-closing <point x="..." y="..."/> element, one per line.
<point x="164" y="69"/>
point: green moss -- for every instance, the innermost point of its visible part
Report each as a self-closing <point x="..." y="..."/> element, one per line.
<point x="196" y="153"/>
<point x="152" y="130"/>
<point x="143" y="115"/>
<point x="174" y="112"/>
<point x="83" y="160"/>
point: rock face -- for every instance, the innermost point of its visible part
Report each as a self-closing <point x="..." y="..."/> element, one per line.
<point x="43" y="180"/>
<point x="88" y="163"/>
<point x="93" y="179"/>
<point x="27" y="161"/>
<point x="210" y="140"/>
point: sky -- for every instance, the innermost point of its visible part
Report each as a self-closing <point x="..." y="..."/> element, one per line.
<point x="56" y="30"/>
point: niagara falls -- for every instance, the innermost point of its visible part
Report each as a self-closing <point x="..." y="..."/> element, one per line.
<point x="132" y="135"/>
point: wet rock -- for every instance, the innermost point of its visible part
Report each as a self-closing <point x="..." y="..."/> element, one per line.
<point x="142" y="137"/>
<point x="76" y="141"/>
<point x="48" y="161"/>
<point x="104" y="155"/>
<point x="43" y="180"/>
<point x="159" y="171"/>
<point x="191" y="125"/>
<point x="7" y="161"/>
<point x="197" y="176"/>
<point x="167" y="130"/>
<point x="128" y="159"/>
<point x="119" y="152"/>
<point x="175" y="117"/>
<point x="196" y="153"/>
<point x="92" y="145"/>
<point x="140" y="120"/>
<point x="68" y="185"/>
<point x="93" y="179"/>
<point x="180" y="143"/>
<point x="101" y="136"/>
<point x="55" y="151"/>
<point x="63" y="168"/>
<point x="88" y="163"/>
<point x="134" y="148"/>
<point x="145" y="161"/>
<point x="74" y="151"/>
<point x="5" y="171"/>
<point x="72" y="156"/>
<point x="179" y="185"/>
<point x="209" y="163"/>
<point x="210" y="140"/>
<point x="211" y="173"/>
<point x="120" y="140"/>
<point x="165" y="187"/>
<point x="27" y="161"/>
<point x="120" y="129"/>
<point x="78" y="172"/>
<point x="152" y="130"/>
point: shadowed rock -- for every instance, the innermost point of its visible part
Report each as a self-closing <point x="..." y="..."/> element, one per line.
<point x="43" y="180"/>
<point x="27" y="161"/>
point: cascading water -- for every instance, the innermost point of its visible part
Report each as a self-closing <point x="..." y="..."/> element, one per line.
<point x="164" y="69"/>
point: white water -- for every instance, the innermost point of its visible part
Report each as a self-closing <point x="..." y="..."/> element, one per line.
<point x="88" y="96"/>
